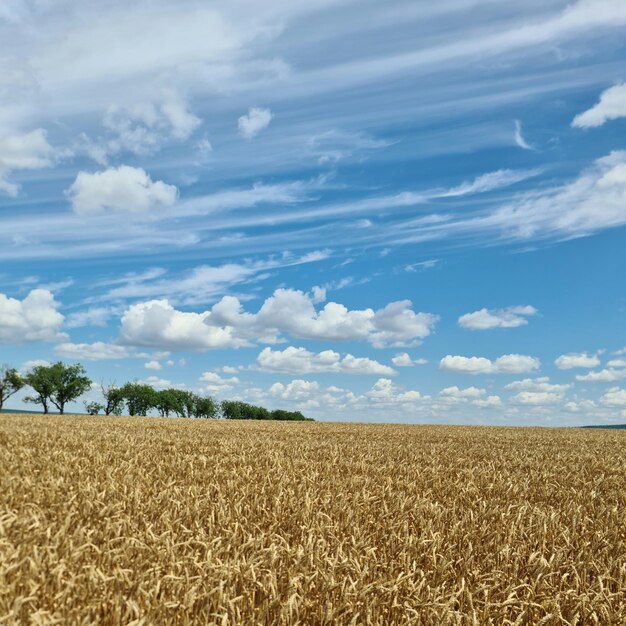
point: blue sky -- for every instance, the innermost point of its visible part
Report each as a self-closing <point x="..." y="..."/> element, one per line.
<point x="366" y="211"/>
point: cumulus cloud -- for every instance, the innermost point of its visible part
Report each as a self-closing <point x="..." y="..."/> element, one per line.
<point x="293" y="360"/>
<point x="256" y="120"/>
<point x="462" y="394"/>
<point x="143" y="128"/>
<point x="576" y="406"/>
<point x="97" y="351"/>
<point x="608" y="375"/>
<point x="510" y="317"/>
<point x="152" y="365"/>
<point x="158" y="324"/>
<point x="403" y="359"/>
<point x="161" y="383"/>
<point x="212" y="382"/>
<point x="612" y="105"/>
<point x="295" y="390"/>
<point x="537" y="391"/>
<point x="614" y="397"/>
<point x="490" y="402"/>
<point x="293" y="312"/>
<point x="537" y="384"/>
<point x="305" y="395"/>
<point x="506" y="364"/>
<point x="26" y="151"/>
<point x="287" y="312"/>
<point x="385" y="392"/>
<point x="536" y="398"/>
<point x="35" y="318"/>
<point x="577" y="359"/>
<point x="125" y="189"/>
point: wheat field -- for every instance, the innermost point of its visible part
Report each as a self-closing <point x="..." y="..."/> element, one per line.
<point x="157" y="521"/>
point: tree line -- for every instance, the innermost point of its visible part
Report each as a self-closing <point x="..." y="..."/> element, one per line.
<point x="57" y="384"/>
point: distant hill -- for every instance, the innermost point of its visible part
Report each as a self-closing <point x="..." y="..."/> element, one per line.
<point x="610" y="426"/>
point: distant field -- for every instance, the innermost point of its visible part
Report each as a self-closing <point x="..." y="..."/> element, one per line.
<point x="155" y="521"/>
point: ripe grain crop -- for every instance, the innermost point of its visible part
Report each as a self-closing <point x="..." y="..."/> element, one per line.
<point x="155" y="521"/>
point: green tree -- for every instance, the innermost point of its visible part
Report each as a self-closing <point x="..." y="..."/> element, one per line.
<point x="113" y="399"/>
<point x="168" y="401"/>
<point x="290" y="416"/>
<point x="205" y="407"/>
<point x="93" y="408"/>
<point x="237" y="410"/>
<point x="41" y="380"/>
<point x="10" y="382"/>
<point x="139" y="398"/>
<point x="57" y="384"/>
<point x="185" y="402"/>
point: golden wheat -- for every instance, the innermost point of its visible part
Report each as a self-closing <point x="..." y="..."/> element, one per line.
<point x="156" y="521"/>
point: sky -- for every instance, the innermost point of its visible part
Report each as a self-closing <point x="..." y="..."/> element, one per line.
<point x="401" y="212"/>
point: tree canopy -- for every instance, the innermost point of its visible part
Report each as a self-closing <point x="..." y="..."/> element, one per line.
<point x="10" y="382"/>
<point x="57" y="384"/>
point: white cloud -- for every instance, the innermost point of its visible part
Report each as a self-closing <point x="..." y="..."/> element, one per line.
<point x="144" y="127"/>
<point x="300" y="361"/>
<point x="385" y="392"/>
<point x="28" y="365"/>
<point x="295" y="390"/>
<point x="333" y="146"/>
<point x="516" y="364"/>
<point x="519" y="138"/>
<point x="27" y="151"/>
<point x="577" y="359"/>
<point x="318" y="294"/>
<point x="616" y="363"/>
<point x="612" y="105"/>
<point x="614" y="397"/>
<point x="158" y="324"/>
<point x="485" y="182"/>
<point x="536" y="398"/>
<point x="403" y="359"/>
<point x="203" y="283"/>
<point x="467" y="365"/>
<point x="214" y="383"/>
<point x="97" y="351"/>
<point x="506" y="364"/>
<point x="422" y="265"/>
<point x="125" y="188"/>
<point x="609" y="375"/>
<point x="576" y="406"/>
<point x="510" y="317"/>
<point x="93" y="316"/>
<point x="254" y="122"/>
<point x="469" y="393"/>
<point x="489" y="402"/>
<point x="161" y="383"/>
<point x="152" y="365"/>
<point x="593" y="201"/>
<point x="35" y="318"/>
<point x="537" y="384"/>
<point x="293" y="312"/>
<point x="537" y="391"/>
